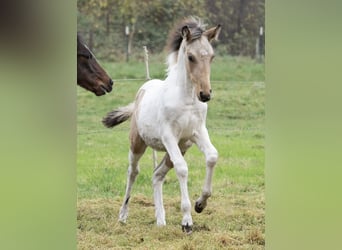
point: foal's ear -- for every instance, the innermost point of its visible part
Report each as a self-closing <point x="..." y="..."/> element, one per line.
<point x="186" y="34"/>
<point x="213" y="33"/>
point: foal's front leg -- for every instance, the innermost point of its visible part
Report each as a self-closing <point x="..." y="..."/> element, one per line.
<point x="181" y="168"/>
<point x="203" y="142"/>
<point x="158" y="179"/>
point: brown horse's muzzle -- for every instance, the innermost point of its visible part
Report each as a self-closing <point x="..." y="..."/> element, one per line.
<point x="103" y="88"/>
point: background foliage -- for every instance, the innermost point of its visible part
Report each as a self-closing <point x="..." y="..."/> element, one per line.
<point x="102" y="24"/>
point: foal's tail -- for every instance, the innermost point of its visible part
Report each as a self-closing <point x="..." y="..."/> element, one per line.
<point x="118" y="116"/>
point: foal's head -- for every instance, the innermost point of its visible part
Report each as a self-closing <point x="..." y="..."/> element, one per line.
<point x="90" y="75"/>
<point x="193" y="45"/>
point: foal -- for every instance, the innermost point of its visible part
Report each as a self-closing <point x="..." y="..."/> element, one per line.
<point x="170" y="116"/>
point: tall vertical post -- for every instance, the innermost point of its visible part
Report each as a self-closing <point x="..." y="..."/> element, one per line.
<point x="146" y="63"/>
<point x="261" y="45"/>
<point x="91" y="40"/>
<point x="127" y="42"/>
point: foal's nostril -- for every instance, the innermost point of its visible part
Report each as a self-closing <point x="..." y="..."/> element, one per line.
<point x="204" y="97"/>
<point x="111" y="82"/>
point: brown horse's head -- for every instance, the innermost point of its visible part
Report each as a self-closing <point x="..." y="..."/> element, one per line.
<point x="90" y="75"/>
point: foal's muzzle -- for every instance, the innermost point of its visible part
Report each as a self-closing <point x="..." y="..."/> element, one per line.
<point x="204" y="97"/>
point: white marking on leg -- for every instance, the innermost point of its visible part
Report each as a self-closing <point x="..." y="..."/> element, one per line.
<point x="203" y="142"/>
<point x="181" y="169"/>
<point x="158" y="180"/>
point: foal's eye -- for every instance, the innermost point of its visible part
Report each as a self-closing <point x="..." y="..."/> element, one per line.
<point x="191" y="58"/>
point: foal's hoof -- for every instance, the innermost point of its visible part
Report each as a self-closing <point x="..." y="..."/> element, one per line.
<point x="199" y="206"/>
<point x="187" y="229"/>
<point x="122" y="222"/>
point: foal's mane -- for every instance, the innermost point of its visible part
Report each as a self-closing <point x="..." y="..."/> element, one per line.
<point x="196" y="27"/>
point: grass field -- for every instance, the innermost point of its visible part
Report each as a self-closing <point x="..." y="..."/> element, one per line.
<point x="235" y="215"/>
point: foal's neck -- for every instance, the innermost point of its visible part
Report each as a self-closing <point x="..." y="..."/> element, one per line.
<point x="184" y="85"/>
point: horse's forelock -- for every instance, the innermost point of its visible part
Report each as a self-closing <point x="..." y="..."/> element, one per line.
<point x="195" y="26"/>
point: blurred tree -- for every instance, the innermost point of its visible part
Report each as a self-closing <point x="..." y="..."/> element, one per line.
<point x="241" y="20"/>
<point x="103" y="22"/>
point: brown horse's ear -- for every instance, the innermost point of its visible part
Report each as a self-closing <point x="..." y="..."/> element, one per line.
<point x="213" y="33"/>
<point x="186" y="34"/>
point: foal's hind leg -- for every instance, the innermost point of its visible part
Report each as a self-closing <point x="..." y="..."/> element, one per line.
<point x="133" y="171"/>
<point x="203" y="142"/>
<point x="137" y="149"/>
<point x="158" y="179"/>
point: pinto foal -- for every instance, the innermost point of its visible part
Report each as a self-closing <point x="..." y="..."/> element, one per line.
<point x="170" y="116"/>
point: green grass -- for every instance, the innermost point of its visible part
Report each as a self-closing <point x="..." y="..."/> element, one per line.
<point x="235" y="215"/>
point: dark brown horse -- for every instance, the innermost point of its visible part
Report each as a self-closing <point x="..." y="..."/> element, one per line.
<point x="90" y="75"/>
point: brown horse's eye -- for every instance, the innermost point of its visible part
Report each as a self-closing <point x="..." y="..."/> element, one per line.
<point x="191" y="58"/>
<point x="87" y="56"/>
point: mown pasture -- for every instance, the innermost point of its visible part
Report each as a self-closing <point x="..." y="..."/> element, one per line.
<point x="235" y="215"/>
